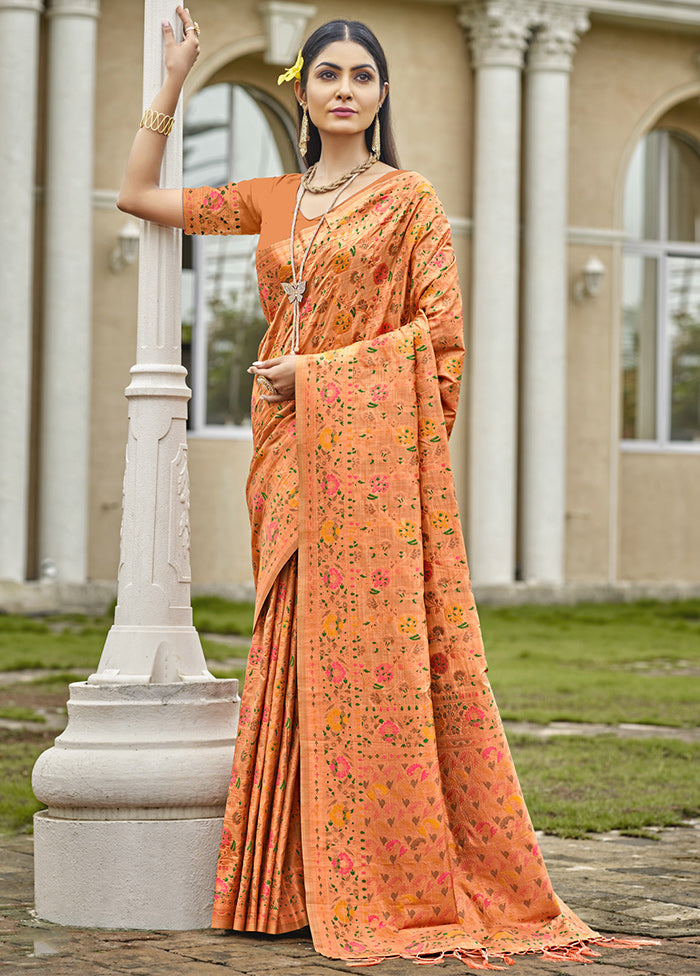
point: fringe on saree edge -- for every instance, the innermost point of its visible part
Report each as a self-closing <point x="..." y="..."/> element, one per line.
<point x="481" y="958"/>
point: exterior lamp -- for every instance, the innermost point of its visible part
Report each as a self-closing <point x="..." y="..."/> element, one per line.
<point x="127" y="249"/>
<point x="588" y="285"/>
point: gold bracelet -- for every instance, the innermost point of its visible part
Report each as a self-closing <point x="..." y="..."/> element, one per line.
<point x="157" y="122"/>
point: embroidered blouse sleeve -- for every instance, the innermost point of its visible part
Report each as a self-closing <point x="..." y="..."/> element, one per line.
<point x="235" y="208"/>
<point x="435" y="291"/>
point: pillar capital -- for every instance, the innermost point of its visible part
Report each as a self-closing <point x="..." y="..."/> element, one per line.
<point x="33" y="6"/>
<point x="498" y="30"/>
<point x="557" y="32"/>
<point x="73" y="8"/>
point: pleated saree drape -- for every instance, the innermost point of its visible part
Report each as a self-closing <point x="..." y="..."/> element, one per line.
<point x="373" y="794"/>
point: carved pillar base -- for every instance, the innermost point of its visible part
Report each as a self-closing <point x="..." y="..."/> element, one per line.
<point x="136" y="788"/>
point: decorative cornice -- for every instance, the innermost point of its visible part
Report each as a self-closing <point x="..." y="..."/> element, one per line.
<point x="554" y="42"/>
<point x="31" y="6"/>
<point x="73" y="8"/>
<point x="499" y="30"/>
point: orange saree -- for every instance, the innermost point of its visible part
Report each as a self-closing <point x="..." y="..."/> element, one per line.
<point x="373" y="795"/>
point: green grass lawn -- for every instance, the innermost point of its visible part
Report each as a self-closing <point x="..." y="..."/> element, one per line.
<point x="616" y="663"/>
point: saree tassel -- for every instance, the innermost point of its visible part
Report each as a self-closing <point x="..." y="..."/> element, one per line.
<point x="474" y="958"/>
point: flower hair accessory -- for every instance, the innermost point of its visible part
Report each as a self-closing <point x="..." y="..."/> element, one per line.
<point x="294" y="71"/>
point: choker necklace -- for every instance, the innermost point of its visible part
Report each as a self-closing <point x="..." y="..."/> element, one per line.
<point x="294" y="289"/>
<point x="311" y="172"/>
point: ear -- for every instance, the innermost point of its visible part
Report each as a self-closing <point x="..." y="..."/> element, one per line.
<point x="299" y="92"/>
<point x="382" y="97"/>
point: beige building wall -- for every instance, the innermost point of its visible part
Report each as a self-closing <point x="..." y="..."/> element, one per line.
<point x="625" y="82"/>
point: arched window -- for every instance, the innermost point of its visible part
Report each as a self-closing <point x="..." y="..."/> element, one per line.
<point x="661" y="294"/>
<point x="231" y="132"/>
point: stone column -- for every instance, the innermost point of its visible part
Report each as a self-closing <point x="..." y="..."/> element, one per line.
<point x="19" y="27"/>
<point x="499" y="31"/>
<point x="67" y="319"/>
<point x="543" y="394"/>
<point x="136" y="785"/>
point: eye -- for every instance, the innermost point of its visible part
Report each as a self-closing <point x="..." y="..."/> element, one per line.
<point x="364" y="76"/>
<point x="327" y="73"/>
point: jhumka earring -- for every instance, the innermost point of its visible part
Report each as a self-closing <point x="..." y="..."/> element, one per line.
<point x="304" y="133"/>
<point x="376" y="138"/>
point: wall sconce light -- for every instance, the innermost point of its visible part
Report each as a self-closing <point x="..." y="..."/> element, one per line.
<point x="127" y="249"/>
<point x="588" y="285"/>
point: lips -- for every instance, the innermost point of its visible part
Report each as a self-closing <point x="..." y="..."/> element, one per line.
<point x="343" y="112"/>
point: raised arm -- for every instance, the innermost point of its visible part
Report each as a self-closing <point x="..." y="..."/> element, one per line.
<point x="140" y="193"/>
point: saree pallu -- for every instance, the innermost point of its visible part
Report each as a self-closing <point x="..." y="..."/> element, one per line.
<point x="413" y="832"/>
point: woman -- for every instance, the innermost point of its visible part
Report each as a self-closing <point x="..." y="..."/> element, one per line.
<point x="367" y="696"/>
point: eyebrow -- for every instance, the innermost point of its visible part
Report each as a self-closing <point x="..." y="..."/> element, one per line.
<point x="337" y="67"/>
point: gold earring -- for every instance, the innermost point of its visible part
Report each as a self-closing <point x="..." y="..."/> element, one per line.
<point x="304" y="133"/>
<point x="376" y="137"/>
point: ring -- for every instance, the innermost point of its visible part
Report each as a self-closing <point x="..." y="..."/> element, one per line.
<point x="267" y="386"/>
<point x="194" y="27"/>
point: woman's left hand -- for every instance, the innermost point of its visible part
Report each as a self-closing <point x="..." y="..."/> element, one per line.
<point x="281" y="372"/>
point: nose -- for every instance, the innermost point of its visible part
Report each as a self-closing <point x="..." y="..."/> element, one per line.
<point x="344" y="91"/>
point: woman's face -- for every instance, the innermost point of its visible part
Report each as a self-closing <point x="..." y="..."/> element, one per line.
<point x="343" y="90"/>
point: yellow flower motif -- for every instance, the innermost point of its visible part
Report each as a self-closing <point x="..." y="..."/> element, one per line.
<point x="293" y="72"/>
<point x="405" y="529"/>
<point x="331" y="625"/>
<point x="327" y="438"/>
<point x="455" y="615"/>
<point x="440" y="521"/>
<point x="408" y="625"/>
<point x="338" y="815"/>
<point x="404" y="435"/>
<point x="329" y="532"/>
<point x="335" y="720"/>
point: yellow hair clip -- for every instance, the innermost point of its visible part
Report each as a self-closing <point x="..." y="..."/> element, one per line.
<point x="294" y="71"/>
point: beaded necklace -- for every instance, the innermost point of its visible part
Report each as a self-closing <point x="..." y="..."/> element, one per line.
<point x="294" y="289"/>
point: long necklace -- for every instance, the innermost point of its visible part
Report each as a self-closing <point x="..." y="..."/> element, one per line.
<point x="294" y="289"/>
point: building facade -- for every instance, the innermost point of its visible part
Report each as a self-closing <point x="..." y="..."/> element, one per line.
<point x="564" y="141"/>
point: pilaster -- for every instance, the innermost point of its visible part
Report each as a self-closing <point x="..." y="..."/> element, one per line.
<point x="543" y="334"/>
<point x="67" y="289"/>
<point x="498" y="34"/>
<point x="19" y="26"/>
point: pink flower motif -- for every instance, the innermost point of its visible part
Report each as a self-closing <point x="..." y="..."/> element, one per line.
<point x="221" y="887"/>
<point x="340" y="767"/>
<point x="331" y="393"/>
<point x="272" y="530"/>
<point x="343" y="863"/>
<point x="380" y="578"/>
<point x="215" y="201"/>
<point x="382" y="204"/>
<point x="333" y="578"/>
<point x="440" y="260"/>
<point x="258" y="502"/>
<point x="264" y="292"/>
<point x="336" y="672"/>
<point x="331" y="484"/>
<point x="379" y="484"/>
<point x="379" y="392"/>
<point x="388" y="730"/>
<point x="383" y="674"/>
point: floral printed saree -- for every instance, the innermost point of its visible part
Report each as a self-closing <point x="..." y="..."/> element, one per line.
<point x="373" y="796"/>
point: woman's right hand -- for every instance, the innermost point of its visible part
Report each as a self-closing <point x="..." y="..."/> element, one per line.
<point x="179" y="58"/>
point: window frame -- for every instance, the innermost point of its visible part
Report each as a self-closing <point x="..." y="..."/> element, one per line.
<point x="197" y="425"/>
<point x="661" y="250"/>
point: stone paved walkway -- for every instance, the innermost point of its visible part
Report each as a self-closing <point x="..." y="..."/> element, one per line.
<point x="627" y="886"/>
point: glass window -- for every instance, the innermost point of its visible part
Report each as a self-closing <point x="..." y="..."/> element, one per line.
<point x="231" y="132"/>
<point x="661" y="293"/>
<point x="684" y="339"/>
<point x="639" y="347"/>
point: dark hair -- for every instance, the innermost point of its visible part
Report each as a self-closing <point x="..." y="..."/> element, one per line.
<point x="349" y="30"/>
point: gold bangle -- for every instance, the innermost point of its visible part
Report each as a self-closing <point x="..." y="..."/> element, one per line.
<point x="157" y="122"/>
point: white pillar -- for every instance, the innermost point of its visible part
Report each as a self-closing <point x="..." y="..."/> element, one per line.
<point x="19" y="28"/>
<point x="499" y="31"/>
<point x="543" y="395"/>
<point x="67" y="319"/>
<point x="138" y="780"/>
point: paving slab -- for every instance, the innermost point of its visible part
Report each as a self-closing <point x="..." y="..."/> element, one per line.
<point x="625" y="886"/>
